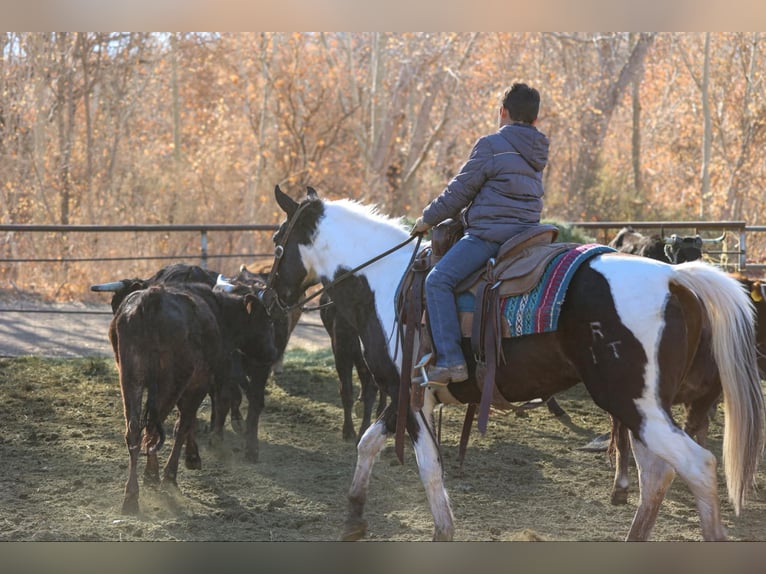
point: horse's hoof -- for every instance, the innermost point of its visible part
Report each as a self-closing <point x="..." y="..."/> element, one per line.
<point x="130" y="506"/>
<point x="237" y="426"/>
<point x="193" y="462"/>
<point x="251" y="456"/>
<point x="620" y="496"/>
<point x="442" y="536"/>
<point x="349" y="435"/>
<point x="355" y="530"/>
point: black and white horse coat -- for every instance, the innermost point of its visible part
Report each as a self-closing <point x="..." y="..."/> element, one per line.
<point x="629" y="346"/>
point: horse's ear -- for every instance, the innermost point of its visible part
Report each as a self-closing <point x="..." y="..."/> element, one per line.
<point x="311" y="193"/>
<point x="288" y="205"/>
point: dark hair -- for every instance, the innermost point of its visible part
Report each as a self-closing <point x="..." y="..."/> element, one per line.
<point x="522" y="103"/>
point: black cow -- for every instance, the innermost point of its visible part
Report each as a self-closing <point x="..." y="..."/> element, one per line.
<point x="254" y="384"/>
<point x="173" y="273"/>
<point x="174" y="343"/>
<point x="347" y="351"/>
<point x="230" y="397"/>
<point x="675" y="249"/>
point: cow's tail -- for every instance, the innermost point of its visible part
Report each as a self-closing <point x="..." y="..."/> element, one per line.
<point x="732" y="317"/>
<point x="154" y="433"/>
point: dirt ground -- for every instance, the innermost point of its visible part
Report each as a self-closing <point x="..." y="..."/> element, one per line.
<point x="65" y="463"/>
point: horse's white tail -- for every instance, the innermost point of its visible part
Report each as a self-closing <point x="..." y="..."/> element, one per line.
<point x="732" y="317"/>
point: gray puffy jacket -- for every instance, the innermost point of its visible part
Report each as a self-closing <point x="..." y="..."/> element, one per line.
<point x="501" y="184"/>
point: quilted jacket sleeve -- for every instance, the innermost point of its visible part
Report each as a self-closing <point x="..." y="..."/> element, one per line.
<point x="461" y="190"/>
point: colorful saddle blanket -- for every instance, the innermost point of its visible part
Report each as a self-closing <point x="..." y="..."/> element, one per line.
<point x="537" y="311"/>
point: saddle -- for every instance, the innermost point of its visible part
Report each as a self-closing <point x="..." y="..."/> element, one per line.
<point x="518" y="267"/>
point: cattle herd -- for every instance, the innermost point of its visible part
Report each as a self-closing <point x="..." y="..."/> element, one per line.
<point x="186" y="333"/>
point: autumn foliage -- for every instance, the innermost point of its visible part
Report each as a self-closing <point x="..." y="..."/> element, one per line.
<point x="113" y="128"/>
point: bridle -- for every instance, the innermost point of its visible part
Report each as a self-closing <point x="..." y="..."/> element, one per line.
<point x="269" y="295"/>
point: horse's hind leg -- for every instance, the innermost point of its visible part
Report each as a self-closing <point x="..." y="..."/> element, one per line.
<point x="371" y="443"/>
<point x="675" y="450"/>
<point x="654" y="477"/>
<point x="621" y="444"/>
<point x="700" y="474"/>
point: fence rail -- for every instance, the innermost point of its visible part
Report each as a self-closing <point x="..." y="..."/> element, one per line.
<point x="203" y="230"/>
<point x="735" y="251"/>
<point x="740" y="228"/>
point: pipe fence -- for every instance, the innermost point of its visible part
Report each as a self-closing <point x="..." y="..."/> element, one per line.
<point x="731" y="253"/>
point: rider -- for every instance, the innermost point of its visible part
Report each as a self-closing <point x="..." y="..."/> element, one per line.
<point x="499" y="191"/>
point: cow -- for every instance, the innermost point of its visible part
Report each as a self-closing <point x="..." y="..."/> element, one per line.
<point x="179" y="274"/>
<point x="173" y="343"/>
<point x="673" y="249"/>
<point x="254" y="384"/>
<point x="347" y="351"/>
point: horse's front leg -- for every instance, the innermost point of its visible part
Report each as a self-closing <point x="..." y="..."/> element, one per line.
<point x="432" y="473"/>
<point x="368" y="447"/>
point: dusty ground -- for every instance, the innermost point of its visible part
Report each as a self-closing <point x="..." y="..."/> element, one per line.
<point x="64" y="463"/>
<point x="64" y="467"/>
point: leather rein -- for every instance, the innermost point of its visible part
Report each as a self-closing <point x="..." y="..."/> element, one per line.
<point x="279" y="252"/>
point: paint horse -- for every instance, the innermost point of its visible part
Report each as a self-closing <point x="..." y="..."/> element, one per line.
<point x="629" y="347"/>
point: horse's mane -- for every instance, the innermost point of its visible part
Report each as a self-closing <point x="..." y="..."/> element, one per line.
<point x="368" y="211"/>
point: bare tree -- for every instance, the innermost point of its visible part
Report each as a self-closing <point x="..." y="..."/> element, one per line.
<point x="608" y="90"/>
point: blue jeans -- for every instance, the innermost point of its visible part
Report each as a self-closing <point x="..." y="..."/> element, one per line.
<point x="466" y="256"/>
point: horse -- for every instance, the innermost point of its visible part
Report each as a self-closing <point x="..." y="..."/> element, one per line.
<point x="629" y="349"/>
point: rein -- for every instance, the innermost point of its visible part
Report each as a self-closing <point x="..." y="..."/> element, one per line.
<point x="347" y="274"/>
<point x="279" y="251"/>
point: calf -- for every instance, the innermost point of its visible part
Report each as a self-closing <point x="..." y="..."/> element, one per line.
<point x="174" y="344"/>
<point x="254" y="384"/>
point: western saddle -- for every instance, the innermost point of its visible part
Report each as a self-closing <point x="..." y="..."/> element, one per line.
<point x="517" y="268"/>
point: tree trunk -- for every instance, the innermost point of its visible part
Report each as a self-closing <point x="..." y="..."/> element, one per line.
<point x="595" y="124"/>
<point x="707" y="133"/>
<point x="638" y="190"/>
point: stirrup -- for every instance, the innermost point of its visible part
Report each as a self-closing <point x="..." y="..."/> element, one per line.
<point x="424" y="360"/>
<point x="421" y="365"/>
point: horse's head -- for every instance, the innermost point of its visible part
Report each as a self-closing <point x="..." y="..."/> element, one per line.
<point x="290" y="276"/>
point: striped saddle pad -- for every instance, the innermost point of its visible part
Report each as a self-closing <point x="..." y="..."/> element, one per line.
<point x="536" y="311"/>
